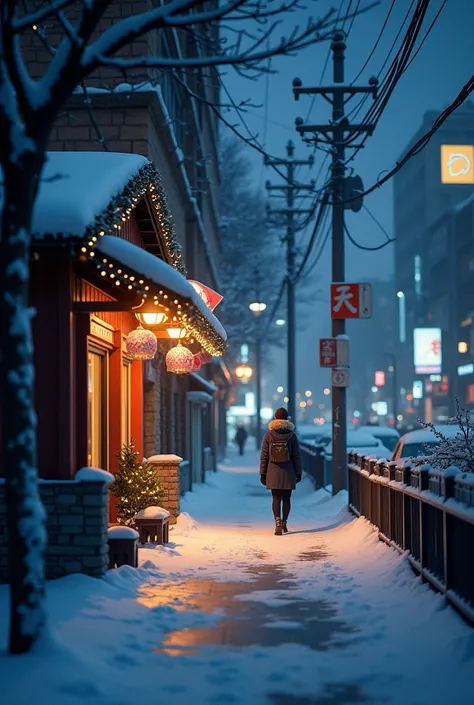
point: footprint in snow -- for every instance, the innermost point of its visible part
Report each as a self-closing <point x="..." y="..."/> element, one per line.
<point x="80" y="689"/>
<point x="124" y="660"/>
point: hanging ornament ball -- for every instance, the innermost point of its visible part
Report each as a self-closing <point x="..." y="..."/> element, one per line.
<point x="180" y="360"/>
<point x="197" y="362"/>
<point x="141" y="344"/>
<point x="205" y="357"/>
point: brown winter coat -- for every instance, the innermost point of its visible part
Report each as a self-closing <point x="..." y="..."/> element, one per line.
<point x="281" y="476"/>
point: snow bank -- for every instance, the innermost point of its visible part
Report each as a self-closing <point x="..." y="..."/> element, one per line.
<point x="153" y="513"/>
<point x="93" y="475"/>
<point x="122" y="532"/>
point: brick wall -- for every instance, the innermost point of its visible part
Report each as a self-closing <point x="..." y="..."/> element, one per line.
<point x="38" y="57"/>
<point x="77" y="520"/>
<point x="167" y="471"/>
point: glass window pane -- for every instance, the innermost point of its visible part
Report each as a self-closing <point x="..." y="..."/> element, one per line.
<point x="126" y="401"/>
<point x="97" y="415"/>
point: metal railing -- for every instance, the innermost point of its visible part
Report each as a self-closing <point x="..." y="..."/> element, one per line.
<point x="425" y="512"/>
<point x="312" y="457"/>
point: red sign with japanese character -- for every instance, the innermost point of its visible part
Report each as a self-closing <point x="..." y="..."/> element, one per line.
<point x="351" y="300"/>
<point x="344" y="300"/>
<point x="327" y="352"/>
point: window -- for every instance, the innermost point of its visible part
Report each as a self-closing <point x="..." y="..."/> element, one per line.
<point x="126" y="401"/>
<point x="97" y="408"/>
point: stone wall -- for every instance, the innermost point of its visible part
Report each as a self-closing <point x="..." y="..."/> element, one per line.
<point x="77" y="521"/>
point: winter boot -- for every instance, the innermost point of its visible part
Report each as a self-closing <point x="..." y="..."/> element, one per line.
<point x="284" y="526"/>
<point x="278" y="527"/>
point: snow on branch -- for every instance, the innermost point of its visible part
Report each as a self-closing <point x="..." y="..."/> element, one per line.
<point x="456" y="449"/>
<point x="173" y="15"/>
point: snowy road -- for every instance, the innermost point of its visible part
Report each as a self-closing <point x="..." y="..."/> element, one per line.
<point x="229" y="614"/>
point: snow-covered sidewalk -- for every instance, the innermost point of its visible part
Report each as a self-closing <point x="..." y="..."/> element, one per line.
<point x="228" y="613"/>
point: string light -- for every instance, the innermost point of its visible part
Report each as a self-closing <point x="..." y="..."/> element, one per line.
<point x="148" y="181"/>
<point x="198" y="328"/>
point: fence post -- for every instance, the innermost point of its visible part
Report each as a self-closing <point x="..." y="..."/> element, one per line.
<point x="449" y="490"/>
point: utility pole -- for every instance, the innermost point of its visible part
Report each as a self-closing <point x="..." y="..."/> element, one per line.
<point x="291" y="189"/>
<point x="258" y="391"/>
<point x="335" y="134"/>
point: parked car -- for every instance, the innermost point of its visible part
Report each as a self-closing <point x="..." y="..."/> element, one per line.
<point x="356" y="442"/>
<point x="416" y="444"/>
<point x="387" y="435"/>
<point x="310" y="433"/>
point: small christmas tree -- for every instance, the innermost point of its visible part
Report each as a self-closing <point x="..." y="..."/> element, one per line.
<point x="136" y="485"/>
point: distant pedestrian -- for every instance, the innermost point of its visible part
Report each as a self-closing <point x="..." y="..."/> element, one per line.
<point x="241" y="438"/>
<point x="280" y="466"/>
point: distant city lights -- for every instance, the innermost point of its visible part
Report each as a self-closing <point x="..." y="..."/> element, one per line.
<point x="327" y="391"/>
<point x="308" y="393"/>
<point x="279" y="390"/>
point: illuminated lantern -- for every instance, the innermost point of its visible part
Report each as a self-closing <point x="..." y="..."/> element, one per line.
<point x="197" y="362"/>
<point x="180" y="360"/>
<point x="176" y="333"/>
<point x="206" y="357"/>
<point x="141" y="344"/>
<point x="152" y="319"/>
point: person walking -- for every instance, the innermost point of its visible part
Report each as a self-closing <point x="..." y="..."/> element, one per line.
<point x="241" y="438"/>
<point x="280" y="466"/>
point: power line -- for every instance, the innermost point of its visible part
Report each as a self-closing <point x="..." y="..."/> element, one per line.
<point x="365" y="247"/>
<point x="435" y="19"/>
<point x="314" y="234"/>
<point x="377" y="222"/>
<point x="353" y="17"/>
<point x="466" y="90"/>
<point x="320" y="252"/>
<point x="377" y="42"/>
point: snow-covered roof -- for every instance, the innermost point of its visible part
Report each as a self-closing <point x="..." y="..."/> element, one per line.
<point x="76" y="187"/>
<point x="160" y="273"/>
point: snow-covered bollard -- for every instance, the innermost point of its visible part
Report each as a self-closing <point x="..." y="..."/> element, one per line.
<point x="123" y="546"/>
<point x="152" y="524"/>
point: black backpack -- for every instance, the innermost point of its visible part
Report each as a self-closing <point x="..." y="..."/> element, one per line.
<point x="280" y="450"/>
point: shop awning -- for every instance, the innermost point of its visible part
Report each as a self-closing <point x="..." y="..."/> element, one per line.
<point x="136" y="268"/>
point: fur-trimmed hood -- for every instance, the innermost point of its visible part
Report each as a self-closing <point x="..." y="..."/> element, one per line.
<point x="281" y="425"/>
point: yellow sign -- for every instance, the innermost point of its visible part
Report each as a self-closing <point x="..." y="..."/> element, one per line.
<point x="100" y="330"/>
<point x="457" y="164"/>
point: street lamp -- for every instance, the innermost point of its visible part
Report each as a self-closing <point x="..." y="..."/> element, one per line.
<point x="257" y="307"/>
<point x="280" y="322"/>
<point x="244" y="373"/>
<point x="402" y="332"/>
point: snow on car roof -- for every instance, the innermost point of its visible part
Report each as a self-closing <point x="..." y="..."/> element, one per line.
<point x="379" y="430"/>
<point x="425" y="435"/>
<point x="76" y="187"/>
<point x="378" y="451"/>
<point x="360" y="438"/>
